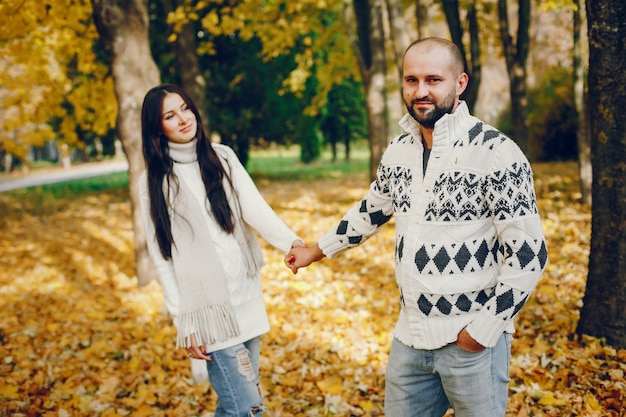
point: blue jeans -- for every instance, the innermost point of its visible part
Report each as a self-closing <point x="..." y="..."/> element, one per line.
<point x="234" y="374"/>
<point x="424" y="383"/>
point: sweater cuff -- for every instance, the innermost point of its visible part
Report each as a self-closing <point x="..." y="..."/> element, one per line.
<point x="487" y="329"/>
<point x="285" y="249"/>
<point x="330" y="245"/>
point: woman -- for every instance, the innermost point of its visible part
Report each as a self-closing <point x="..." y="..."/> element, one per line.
<point x="198" y="204"/>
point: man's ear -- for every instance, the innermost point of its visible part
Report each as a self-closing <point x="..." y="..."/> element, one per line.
<point x="461" y="83"/>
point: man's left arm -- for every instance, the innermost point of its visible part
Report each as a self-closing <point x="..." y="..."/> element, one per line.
<point x="522" y="242"/>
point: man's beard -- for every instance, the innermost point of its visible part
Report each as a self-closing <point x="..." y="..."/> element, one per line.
<point x="428" y="118"/>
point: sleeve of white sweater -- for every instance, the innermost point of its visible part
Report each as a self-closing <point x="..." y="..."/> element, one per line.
<point x="255" y="210"/>
<point x="363" y="220"/>
<point x="520" y="233"/>
<point x="164" y="268"/>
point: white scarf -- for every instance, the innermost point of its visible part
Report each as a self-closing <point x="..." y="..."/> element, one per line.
<point x="205" y="308"/>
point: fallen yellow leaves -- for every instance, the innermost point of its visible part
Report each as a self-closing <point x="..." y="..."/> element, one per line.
<point x="331" y="385"/>
<point x="79" y="338"/>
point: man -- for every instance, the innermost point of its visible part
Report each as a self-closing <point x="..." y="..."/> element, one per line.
<point x="469" y="244"/>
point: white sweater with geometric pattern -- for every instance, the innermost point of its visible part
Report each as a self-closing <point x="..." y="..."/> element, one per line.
<point x="469" y="241"/>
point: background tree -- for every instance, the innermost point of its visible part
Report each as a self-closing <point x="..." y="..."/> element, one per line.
<point x="370" y="51"/>
<point x="246" y="105"/>
<point x="579" y="64"/>
<point x="422" y="18"/>
<point x="53" y="86"/>
<point x="516" y="56"/>
<point x="343" y="117"/>
<point x="183" y="38"/>
<point x="123" y="28"/>
<point x="399" y="34"/>
<point x="472" y="66"/>
<point x="173" y="34"/>
<point x="308" y="33"/>
<point x="604" y="307"/>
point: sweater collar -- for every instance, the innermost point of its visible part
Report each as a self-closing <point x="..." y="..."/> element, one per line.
<point x="183" y="153"/>
<point x="450" y="127"/>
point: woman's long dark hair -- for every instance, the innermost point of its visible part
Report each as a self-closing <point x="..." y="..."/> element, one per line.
<point x="159" y="167"/>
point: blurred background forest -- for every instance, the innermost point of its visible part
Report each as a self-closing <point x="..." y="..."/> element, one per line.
<point x="271" y="73"/>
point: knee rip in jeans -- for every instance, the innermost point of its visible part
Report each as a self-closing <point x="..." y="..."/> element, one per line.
<point x="245" y="368"/>
<point x="245" y="365"/>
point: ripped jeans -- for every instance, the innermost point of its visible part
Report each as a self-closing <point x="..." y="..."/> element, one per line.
<point x="234" y="374"/>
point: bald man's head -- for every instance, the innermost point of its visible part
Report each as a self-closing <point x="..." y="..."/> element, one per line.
<point x="429" y="44"/>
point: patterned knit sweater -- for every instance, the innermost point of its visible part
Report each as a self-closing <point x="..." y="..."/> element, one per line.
<point x="469" y="241"/>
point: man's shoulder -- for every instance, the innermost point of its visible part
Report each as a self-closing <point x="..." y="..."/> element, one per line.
<point x="403" y="139"/>
<point x="482" y="132"/>
<point x="491" y="143"/>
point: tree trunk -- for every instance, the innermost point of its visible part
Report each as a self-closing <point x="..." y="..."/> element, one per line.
<point x="7" y="162"/>
<point x="582" y="133"/>
<point x="371" y="54"/>
<point x="516" y="57"/>
<point x="123" y="29"/>
<point x="473" y="67"/>
<point x="422" y="18"/>
<point x="191" y="79"/>
<point x="399" y="34"/>
<point x="604" y="305"/>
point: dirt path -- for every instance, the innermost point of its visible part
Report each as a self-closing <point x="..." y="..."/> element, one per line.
<point x="52" y="175"/>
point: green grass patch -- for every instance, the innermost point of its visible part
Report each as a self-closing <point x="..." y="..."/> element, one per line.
<point x="42" y="164"/>
<point x="72" y="188"/>
<point x="56" y="196"/>
<point x="283" y="164"/>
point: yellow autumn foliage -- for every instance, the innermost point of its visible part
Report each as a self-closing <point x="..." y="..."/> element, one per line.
<point x="50" y="72"/>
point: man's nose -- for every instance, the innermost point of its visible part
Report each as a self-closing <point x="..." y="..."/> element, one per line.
<point x="421" y="90"/>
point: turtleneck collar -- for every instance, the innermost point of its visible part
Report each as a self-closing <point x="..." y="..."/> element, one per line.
<point x="450" y="126"/>
<point x="183" y="153"/>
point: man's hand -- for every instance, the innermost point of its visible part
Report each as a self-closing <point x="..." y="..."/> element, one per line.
<point x="467" y="343"/>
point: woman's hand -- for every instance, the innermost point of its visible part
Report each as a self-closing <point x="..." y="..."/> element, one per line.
<point x="197" y="352"/>
<point x="298" y="244"/>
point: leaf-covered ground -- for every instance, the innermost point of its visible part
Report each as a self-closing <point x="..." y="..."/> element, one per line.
<point x="78" y="337"/>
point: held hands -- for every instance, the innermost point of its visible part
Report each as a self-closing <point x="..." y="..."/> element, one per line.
<point x="302" y="256"/>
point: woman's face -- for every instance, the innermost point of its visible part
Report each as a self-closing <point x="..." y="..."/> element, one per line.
<point x="178" y="122"/>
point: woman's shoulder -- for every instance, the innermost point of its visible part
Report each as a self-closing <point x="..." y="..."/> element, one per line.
<point x="222" y="150"/>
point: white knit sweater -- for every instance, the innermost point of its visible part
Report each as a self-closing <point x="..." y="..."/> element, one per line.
<point x="245" y="293"/>
<point x="469" y="241"/>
